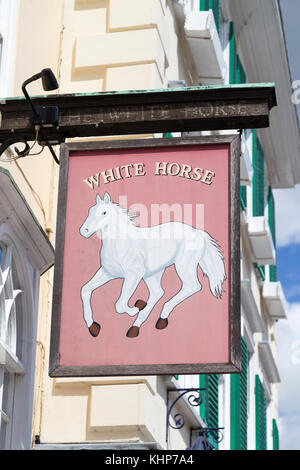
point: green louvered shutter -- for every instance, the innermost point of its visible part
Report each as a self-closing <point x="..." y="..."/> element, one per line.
<point x="240" y="75"/>
<point x="261" y="415"/>
<point x="209" y="408"/>
<point x="240" y="78"/>
<point x="258" y="181"/>
<point x="213" y="5"/>
<point x="271" y="214"/>
<point x="243" y="197"/>
<point x="261" y="271"/>
<point x="258" y="186"/>
<point x="232" y="55"/>
<point x="239" y="403"/>
<point x="275" y="435"/>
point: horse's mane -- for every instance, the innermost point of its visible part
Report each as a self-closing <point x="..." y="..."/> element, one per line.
<point x="125" y="213"/>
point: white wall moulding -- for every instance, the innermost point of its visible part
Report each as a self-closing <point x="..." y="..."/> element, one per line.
<point x="275" y="299"/>
<point x="261" y="240"/>
<point x="15" y="210"/>
<point x="202" y="36"/>
<point x="99" y="50"/>
<point x="250" y="307"/>
<point x="123" y="17"/>
<point x="121" y="407"/>
<point x="268" y="362"/>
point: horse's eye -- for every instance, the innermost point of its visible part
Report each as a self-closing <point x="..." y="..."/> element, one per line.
<point x="103" y="213"/>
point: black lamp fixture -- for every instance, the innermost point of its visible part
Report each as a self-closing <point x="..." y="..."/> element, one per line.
<point x="46" y="115"/>
<point x="43" y="116"/>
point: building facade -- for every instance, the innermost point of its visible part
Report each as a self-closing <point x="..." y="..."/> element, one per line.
<point x="113" y="45"/>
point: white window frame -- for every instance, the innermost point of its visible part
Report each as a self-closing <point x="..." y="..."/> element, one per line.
<point x="16" y="358"/>
<point x="32" y="254"/>
<point x="8" y="23"/>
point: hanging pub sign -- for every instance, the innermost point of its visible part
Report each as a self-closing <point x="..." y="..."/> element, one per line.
<point x="147" y="258"/>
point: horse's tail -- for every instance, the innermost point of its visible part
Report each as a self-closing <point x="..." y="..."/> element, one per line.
<point x="212" y="265"/>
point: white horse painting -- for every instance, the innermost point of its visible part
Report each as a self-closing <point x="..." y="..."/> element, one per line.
<point x="134" y="253"/>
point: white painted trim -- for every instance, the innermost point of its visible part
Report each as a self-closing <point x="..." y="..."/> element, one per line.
<point x="275" y="299"/>
<point x="268" y="362"/>
<point x="10" y="361"/>
<point x="204" y="42"/>
<point x="8" y="24"/>
<point x="15" y="210"/>
<point x="250" y="308"/>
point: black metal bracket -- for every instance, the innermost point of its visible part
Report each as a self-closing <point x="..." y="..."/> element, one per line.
<point x="42" y="118"/>
<point x="42" y="140"/>
<point x="195" y="399"/>
<point x="207" y="438"/>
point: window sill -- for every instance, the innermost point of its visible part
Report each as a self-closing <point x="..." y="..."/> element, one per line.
<point x="261" y="241"/>
<point x="275" y="300"/>
<point x="203" y="38"/>
<point x="10" y="361"/>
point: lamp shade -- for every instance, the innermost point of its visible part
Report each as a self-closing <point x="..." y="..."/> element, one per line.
<point x="48" y="80"/>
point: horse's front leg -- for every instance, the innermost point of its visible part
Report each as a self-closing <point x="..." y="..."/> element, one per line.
<point x="131" y="281"/>
<point x="100" y="278"/>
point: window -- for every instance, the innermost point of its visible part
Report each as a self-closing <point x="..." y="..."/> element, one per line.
<point x="22" y="260"/>
<point x="237" y="75"/>
<point x="258" y="161"/>
<point x="10" y="341"/>
<point x="261" y="415"/>
<point x="209" y="408"/>
<point x="271" y="217"/>
<point x="239" y="403"/>
<point x="275" y="435"/>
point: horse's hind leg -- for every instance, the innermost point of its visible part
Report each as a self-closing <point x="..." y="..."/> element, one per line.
<point x="155" y="293"/>
<point x="187" y="272"/>
<point x="99" y="279"/>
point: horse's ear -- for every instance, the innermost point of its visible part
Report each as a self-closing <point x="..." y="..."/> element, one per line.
<point x="106" y="198"/>
<point x="98" y="199"/>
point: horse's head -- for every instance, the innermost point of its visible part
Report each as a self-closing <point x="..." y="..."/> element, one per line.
<point x="99" y="216"/>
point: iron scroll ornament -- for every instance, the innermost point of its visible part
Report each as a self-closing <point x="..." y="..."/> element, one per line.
<point x="195" y="399"/>
<point x="26" y="151"/>
<point x="14" y="140"/>
<point x="207" y="438"/>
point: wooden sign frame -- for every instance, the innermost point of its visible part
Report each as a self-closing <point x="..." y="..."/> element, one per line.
<point x="233" y="364"/>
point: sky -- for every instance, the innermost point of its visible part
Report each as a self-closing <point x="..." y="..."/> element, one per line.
<point x="287" y="203"/>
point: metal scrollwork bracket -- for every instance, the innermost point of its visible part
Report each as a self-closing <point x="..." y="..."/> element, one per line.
<point x="215" y="434"/>
<point x="195" y="399"/>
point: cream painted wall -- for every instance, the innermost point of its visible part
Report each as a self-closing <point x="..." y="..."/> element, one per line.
<point x="38" y="25"/>
<point x="95" y="46"/>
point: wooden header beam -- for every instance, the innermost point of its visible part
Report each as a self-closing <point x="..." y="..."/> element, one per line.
<point x="138" y="112"/>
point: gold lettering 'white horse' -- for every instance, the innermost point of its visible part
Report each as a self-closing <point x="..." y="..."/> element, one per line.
<point x="134" y="253"/>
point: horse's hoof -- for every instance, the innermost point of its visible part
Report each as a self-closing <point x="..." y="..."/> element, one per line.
<point x="161" y="323"/>
<point x="140" y="304"/>
<point x="94" y="329"/>
<point x="133" y="332"/>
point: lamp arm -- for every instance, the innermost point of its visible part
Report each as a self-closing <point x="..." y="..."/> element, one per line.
<point x="29" y="80"/>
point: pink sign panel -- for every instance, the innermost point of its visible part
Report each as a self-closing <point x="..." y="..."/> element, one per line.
<point x="147" y="267"/>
